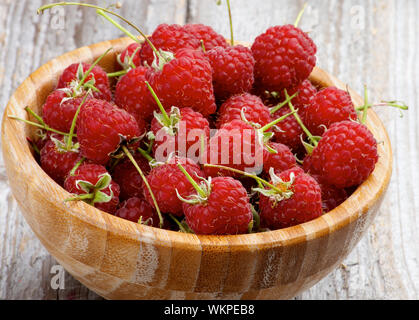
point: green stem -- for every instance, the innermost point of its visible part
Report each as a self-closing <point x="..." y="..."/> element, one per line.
<point x="264" y="182"/>
<point x="87" y="73"/>
<point x="270" y="125"/>
<point x="117" y="74"/>
<point x="231" y="23"/>
<point x="280" y="105"/>
<point x="365" y="109"/>
<point x="178" y="223"/>
<point x="300" y="122"/>
<point x="85" y="196"/>
<point x="300" y="14"/>
<point x="49" y="6"/>
<point x="116" y="24"/>
<point x="145" y="154"/>
<point x="73" y="123"/>
<point x="45" y="127"/>
<point x="203" y="46"/>
<point x="76" y="166"/>
<point x="165" y="115"/>
<point x="129" y="155"/>
<point x="37" y="117"/>
<point x="192" y="181"/>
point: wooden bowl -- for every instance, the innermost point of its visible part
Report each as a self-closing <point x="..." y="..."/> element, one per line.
<point x="119" y="259"/>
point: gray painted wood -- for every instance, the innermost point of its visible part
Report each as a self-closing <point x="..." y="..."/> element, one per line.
<point x="372" y="42"/>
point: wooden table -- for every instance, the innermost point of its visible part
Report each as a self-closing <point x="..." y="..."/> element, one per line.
<point x="374" y="42"/>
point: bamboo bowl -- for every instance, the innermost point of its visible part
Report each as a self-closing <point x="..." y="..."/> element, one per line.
<point x="119" y="259"/>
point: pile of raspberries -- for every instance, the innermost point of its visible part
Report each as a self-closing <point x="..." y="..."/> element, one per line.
<point x="269" y="149"/>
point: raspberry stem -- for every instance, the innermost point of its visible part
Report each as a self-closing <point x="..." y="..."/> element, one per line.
<point x="162" y="110"/>
<point x="117" y="73"/>
<point x="73" y="123"/>
<point x="198" y="189"/>
<point x="76" y="166"/>
<point x="231" y="23"/>
<point x="203" y="46"/>
<point x="42" y="126"/>
<point x="181" y="228"/>
<point x="270" y="125"/>
<point x="300" y="14"/>
<point x="129" y="155"/>
<point x="259" y="180"/>
<point x="116" y="24"/>
<point x="365" y="107"/>
<point x="145" y="154"/>
<point x="280" y="105"/>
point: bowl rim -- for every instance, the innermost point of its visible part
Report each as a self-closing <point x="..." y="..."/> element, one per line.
<point x="369" y="192"/>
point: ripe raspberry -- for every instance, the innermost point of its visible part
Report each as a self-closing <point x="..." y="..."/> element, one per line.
<point x="71" y="77"/>
<point x="331" y="196"/>
<point x="168" y="38"/>
<point x="299" y="203"/>
<point x="328" y="106"/>
<point x="185" y="81"/>
<point x="128" y="178"/>
<point x="288" y="131"/>
<point x="132" y="94"/>
<point x="235" y="145"/>
<point x="207" y="34"/>
<point x="135" y="208"/>
<point x="102" y="127"/>
<point x="128" y="54"/>
<point x="256" y="111"/>
<point x="58" y="110"/>
<point x="285" y="56"/>
<point x="181" y="135"/>
<point x="226" y="210"/>
<point x="346" y="155"/>
<point x="282" y="160"/>
<point x="56" y="161"/>
<point x="232" y="70"/>
<point x="165" y="179"/>
<point x="84" y="181"/>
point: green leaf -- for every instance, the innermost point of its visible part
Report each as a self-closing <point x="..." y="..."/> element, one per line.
<point x="104" y="181"/>
<point x="101" y="197"/>
<point x="86" y="186"/>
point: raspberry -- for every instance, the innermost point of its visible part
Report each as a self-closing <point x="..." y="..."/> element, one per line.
<point x="56" y="161"/>
<point x="128" y="178"/>
<point x="84" y="181"/>
<point x="132" y="94"/>
<point x="232" y="70"/>
<point x="226" y="210"/>
<point x="288" y="131"/>
<point x="207" y="34"/>
<point x="102" y="127"/>
<point x="282" y="160"/>
<point x="285" y="56"/>
<point x="71" y="77"/>
<point x="165" y="179"/>
<point x="235" y="145"/>
<point x="346" y="155"/>
<point x="328" y="106"/>
<point x="168" y="38"/>
<point x="185" y="81"/>
<point x="180" y="136"/>
<point x="128" y="54"/>
<point x="58" y="111"/>
<point x="300" y="202"/>
<point x="331" y="196"/>
<point x="135" y="208"/>
<point x="255" y="110"/>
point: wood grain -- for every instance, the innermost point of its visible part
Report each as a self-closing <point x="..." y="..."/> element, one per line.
<point x="382" y="51"/>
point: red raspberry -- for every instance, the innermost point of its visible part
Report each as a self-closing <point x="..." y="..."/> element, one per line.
<point x="346" y="155"/>
<point x="306" y="92"/>
<point x="132" y="94"/>
<point x="168" y="38"/>
<point x="185" y="81"/>
<point x="207" y="34"/>
<point x="331" y="196"/>
<point x="165" y="179"/>
<point x="226" y="210"/>
<point x="288" y="131"/>
<point x="56" y="161"/>
<point x="128" y="178"/>
<point x="256" y="111"/>
<point x="181" y="137"/>
<point x="328" y="106"/>
<point x="135" y="208"/>
<point x="102" y="127"/>
<point x="302" y="204"/>
<point x="128" y="53"/>
<point x="237" y="146"/>
<point x="285" y="56"/>
<point x="232" y="70"/>
<point x="58" y="110"/>
<point x="282" y="160"/>
<point x="89" y="175"/>
<point x="70" y="78"/>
